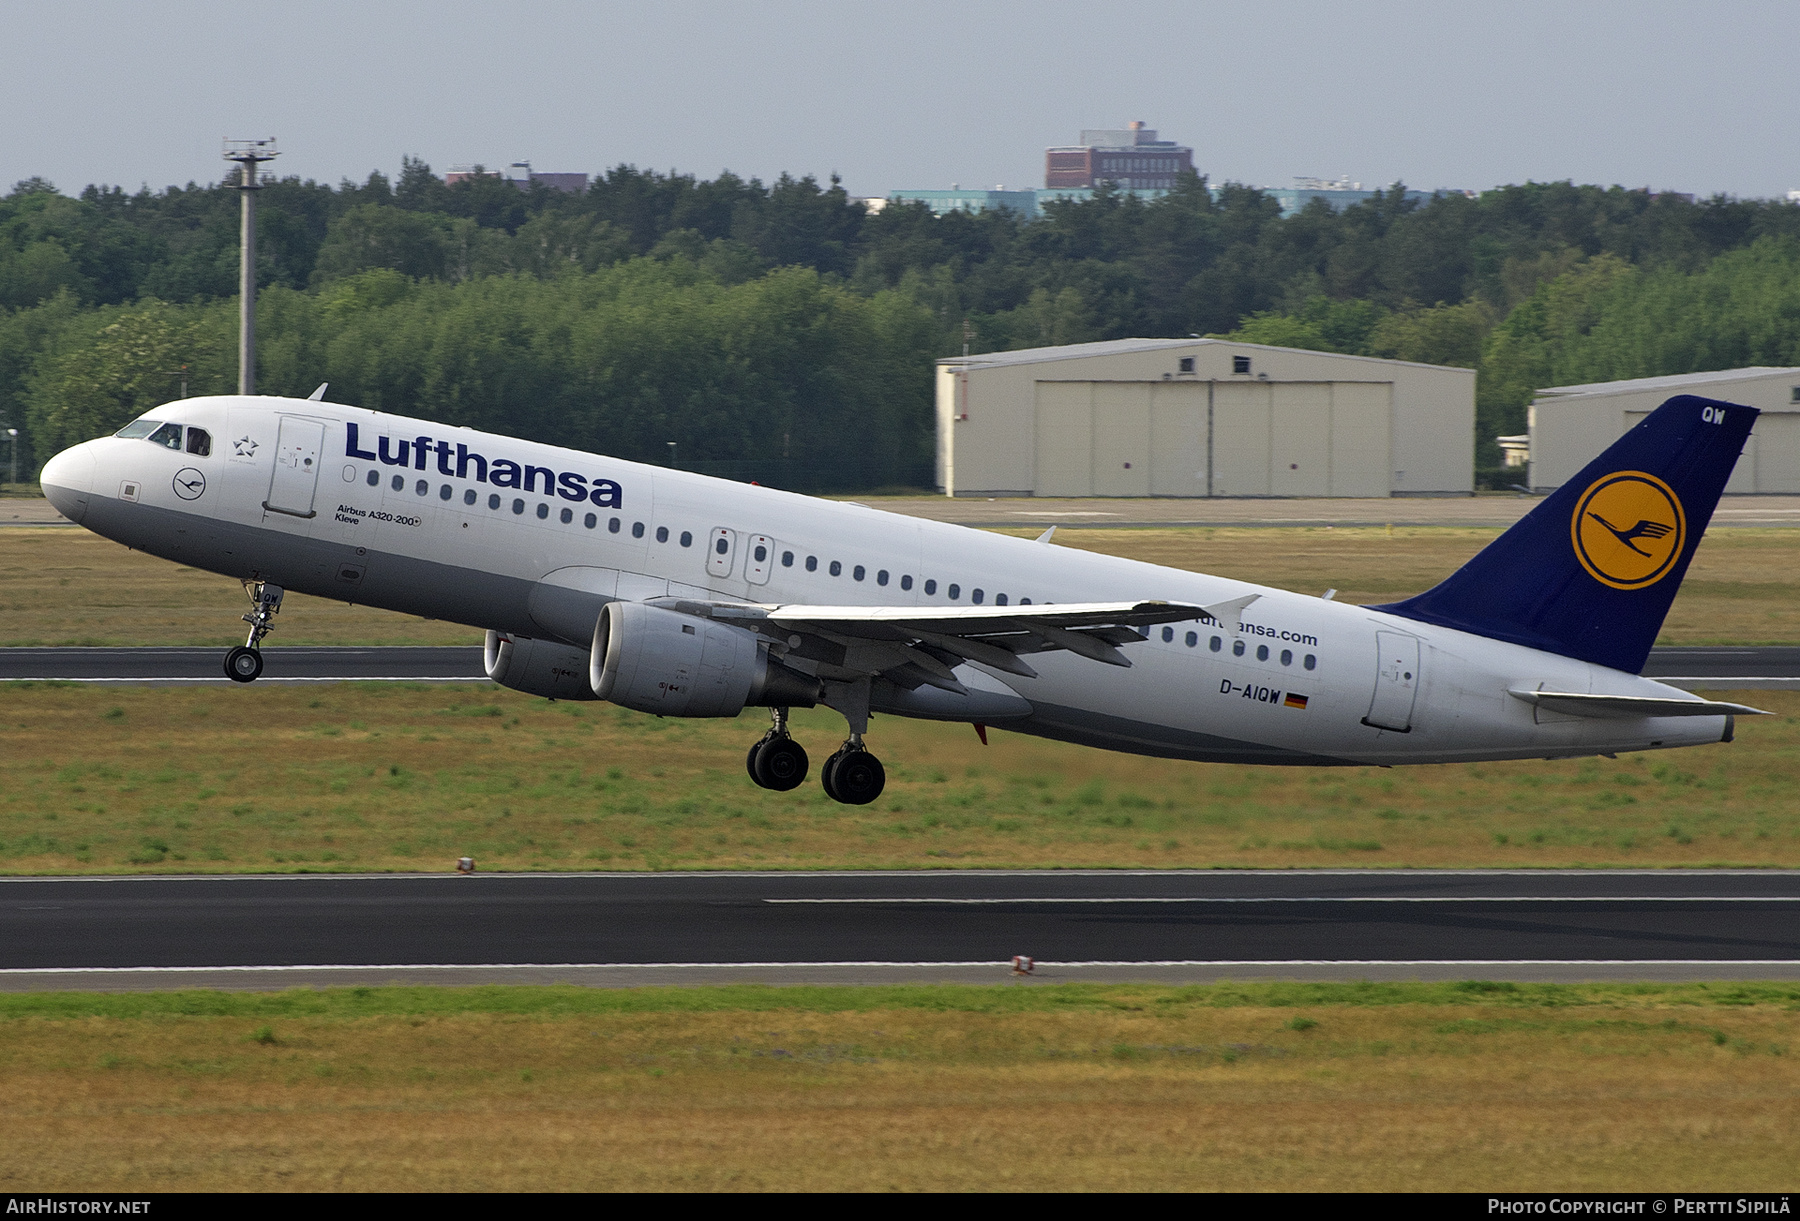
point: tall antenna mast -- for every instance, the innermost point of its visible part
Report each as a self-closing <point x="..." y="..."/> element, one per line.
<point x="248" y="154"/>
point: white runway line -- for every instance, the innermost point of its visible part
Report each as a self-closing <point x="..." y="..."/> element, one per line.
<point x="1322" y="899"/>
<point x="329" y="678"/>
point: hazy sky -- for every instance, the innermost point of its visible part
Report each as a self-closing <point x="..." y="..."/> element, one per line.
<point x="919" y="93"/>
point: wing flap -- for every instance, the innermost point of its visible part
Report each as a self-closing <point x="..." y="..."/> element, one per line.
<point x="924" y="643"/>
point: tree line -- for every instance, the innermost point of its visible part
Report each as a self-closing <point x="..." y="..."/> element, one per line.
<point x="785" y="328"/>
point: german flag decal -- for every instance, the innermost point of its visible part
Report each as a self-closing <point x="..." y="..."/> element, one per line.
<point x="1294" y="700"/>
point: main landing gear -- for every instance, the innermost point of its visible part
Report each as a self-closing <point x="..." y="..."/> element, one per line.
<point x="852" y="775"/>
<point x="244" y="664"/>
<point x="777" y="761"/>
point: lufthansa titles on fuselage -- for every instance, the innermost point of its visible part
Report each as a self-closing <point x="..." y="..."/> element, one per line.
<point x="460" y="462"/>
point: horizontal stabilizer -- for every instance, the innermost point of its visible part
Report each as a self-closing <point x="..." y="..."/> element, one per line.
<point x="1626" y="707"/>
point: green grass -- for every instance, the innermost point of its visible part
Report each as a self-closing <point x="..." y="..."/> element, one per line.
<point x="1018" y="1086"/>
<point x="560" y="1001"/>
<point x="409" y="777"/>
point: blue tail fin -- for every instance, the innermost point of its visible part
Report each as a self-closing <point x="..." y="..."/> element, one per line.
<point x="1591" y="571"/>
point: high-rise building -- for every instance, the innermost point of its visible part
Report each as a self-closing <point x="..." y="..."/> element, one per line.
<point x="1131" y="158"/>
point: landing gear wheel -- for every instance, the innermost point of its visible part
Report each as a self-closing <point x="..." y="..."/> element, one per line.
<point x="779" y="764"/>
<point x="243" y="664"/>
<point x="854" y="777"/>
<point x="755" y="750"/>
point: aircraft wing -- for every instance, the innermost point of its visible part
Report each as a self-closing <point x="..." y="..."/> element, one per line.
<point x="914" y="645"/>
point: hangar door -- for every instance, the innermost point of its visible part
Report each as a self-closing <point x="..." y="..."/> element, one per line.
<point x="1301" y="438"/>
<point x="1776" y="455"/>
<point x="1120" y="439"/>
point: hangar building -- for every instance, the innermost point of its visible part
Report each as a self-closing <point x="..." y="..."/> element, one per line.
<point x="1201" y="417"/>
<point x="1572" y="424"/>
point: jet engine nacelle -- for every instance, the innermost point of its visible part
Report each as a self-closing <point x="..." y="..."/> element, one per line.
<point x="661" y="661"/>
<point x="538" y="667"/>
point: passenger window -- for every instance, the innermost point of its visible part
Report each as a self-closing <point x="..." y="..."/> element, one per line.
<point x="906" y="581"/>
<point x="930" y="588"/>
<point x="374" y="479"/>
<point x="1168" y="634"/>
<point x="881" y="577"/>
<point x="787" y="559"/>
<point x="662" y="534"/>
<point x="762" y="553"/>
<point x="518" y="506"/>
<point x="612" y="525"/>
<point x="1311" y="662"/>
<point x="168" y="436"/>
<point x="1237" y="648"/>
<point x="469" y="497"/>
<point x="999" y="599"/>
<point x="568" y="515"/>
<point x="199" y="442"/>
<point x="1215" y="644"/>
<point x="446" y="492"/>
<point x="858" y="572"/>
<point x="955" y="591"/>
<point x="719" y="545"/>
<point x="1287" y="657"/>
<point x="637" y="529"/>
<point x="1024" y="601"/>
<point x="590" y="521"/>
<point x="1262" y="652"/>
<point x="399" y="484"/>
<point x="977" y="596"/>
<point x="543" y="511"/>
<point x="494" y="501"/>
<point x="422" y="487"/>
<point x="687" y="538"/>
<point x="812" y="563"/>
<point x="836" y="568"/>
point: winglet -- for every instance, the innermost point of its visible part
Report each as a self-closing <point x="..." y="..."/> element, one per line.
<point x="1045" y="536"/>
<point x="1231" y="614"/>
<point x="318" y="396"/>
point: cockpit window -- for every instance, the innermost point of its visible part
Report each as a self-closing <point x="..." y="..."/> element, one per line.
<point x="199" y="442"/>
<point x="138" y="429"/>
<point x="169" y="436"/>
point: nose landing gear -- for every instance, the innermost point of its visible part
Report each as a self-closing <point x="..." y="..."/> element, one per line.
<point x="244" y="664"/>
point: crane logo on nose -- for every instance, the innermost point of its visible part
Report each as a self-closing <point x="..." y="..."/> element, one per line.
<point x="189" y="483"/>
<point x="1628" y="530"/>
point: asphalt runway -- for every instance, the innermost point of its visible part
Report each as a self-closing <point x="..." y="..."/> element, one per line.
<point x="1708" y="668"/>
<point x="632" y="929"/>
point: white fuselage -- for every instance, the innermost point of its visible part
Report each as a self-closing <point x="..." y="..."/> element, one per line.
<point x="286" y="496"/>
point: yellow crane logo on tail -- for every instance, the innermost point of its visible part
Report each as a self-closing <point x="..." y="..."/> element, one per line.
<point x="1628" y="530"/>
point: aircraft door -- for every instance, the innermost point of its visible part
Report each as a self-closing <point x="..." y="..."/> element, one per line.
<point x="1396" y="681"/>
<point x="297" y="448"/>
<point x="759" y="560"/>
<point x="721" y="549"/>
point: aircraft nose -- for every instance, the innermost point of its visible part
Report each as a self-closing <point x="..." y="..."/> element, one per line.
<point x="68" y="481"/>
